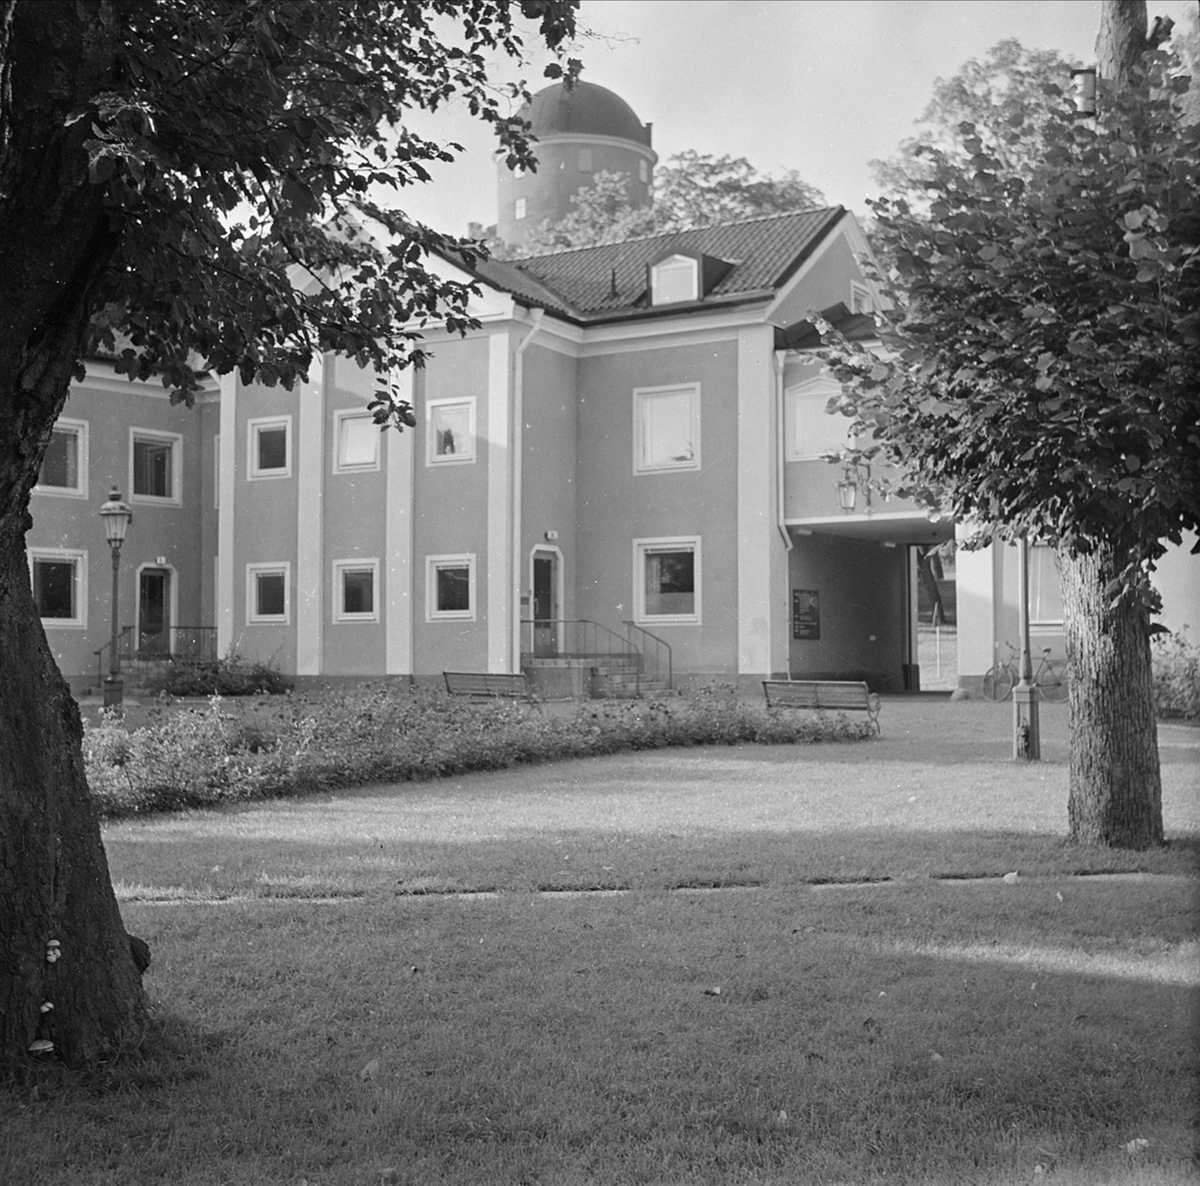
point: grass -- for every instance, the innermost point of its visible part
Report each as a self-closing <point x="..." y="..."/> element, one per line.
<point x="321" y="1020"/>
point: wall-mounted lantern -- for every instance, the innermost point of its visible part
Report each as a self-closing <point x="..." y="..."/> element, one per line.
<point x="847" y="490"/>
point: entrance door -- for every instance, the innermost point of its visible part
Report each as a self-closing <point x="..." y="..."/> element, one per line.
<point x="545" y="605"/>
<point x="154" y="612"/>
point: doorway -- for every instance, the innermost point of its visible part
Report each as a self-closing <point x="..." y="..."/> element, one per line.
<point x="934" y="622"/>
<point x="154" y="611"/>
<point x="546" y="610"/>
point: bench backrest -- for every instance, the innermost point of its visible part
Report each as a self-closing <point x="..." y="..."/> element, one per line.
<point x="817" y="693"/>
<point x="487" y="683"/>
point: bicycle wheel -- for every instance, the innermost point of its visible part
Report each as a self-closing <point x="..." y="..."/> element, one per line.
<point x="1052" y="681"/>
<point x="998" y="682"/>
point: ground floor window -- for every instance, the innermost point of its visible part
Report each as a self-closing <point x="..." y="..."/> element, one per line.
<point x="59" y="581"/>
<point x="450" y="587"/>
<point x="355" y="596"/>
<point x="667" y="580"/>
<point x="267" y="593"/>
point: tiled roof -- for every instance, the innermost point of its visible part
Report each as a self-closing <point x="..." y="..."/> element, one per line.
<point x="607" y="282"/>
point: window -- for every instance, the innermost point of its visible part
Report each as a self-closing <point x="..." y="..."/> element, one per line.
<point x="666" y="428"/>
<point x="812" y="432"/>
<point x="585" y="160"/>
<point x="355" y="584"/>
<point x="155" y="465"/>
<point x="268" y="593"/>
<point x="643" y="171"/>
<point x="269" y="447"/>
<point x="676" y="278"/>
<point x="1045" y="588"/>
<point x="357" y="437"/>
<point x="450" y="588"/>
<point x="667" y="580"/>
<point x="519" y="208"/>
<point x="860" y="298"/>
<point x="450" y="431"/>
<point x="64" y="466"/>
<point x="59" y="578"/>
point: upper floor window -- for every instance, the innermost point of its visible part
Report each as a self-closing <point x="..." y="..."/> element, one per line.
<point x="519" y="208"/>
<point x="270" y="446"/>
<point x="59" y="578"/>
<point x="676" y="278"/>
<point x="666" y="428"/>
<point x="643" y="170"/>
<point x="64" y="465"/>
<point x="585" y="160"/>
<point x="812" y="431"/>
<point x="155" y="465"/>
<point x="1045" y="588"/>
<point x="357" y="442"/>
<point x="450" y="431"/>
<point x="860" y="298"/>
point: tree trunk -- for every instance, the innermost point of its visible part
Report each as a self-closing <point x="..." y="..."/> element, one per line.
<point x="1121" y="41"/>
<point x="56" y="240"/>
<point x="1115" y="796"/>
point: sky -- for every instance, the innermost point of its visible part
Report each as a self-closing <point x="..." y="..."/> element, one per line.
<point x="819" y="86"/>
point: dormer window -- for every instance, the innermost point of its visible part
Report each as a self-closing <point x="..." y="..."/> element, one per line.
<point x="676" y="278"/>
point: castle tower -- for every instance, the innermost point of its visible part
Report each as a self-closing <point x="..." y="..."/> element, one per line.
<point x="580" y="132"/>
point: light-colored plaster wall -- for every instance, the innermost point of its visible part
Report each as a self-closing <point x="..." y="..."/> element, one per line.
<point x="826" y="282"/>
<point x="615" y="506"/>
<point x="861" y="587"/>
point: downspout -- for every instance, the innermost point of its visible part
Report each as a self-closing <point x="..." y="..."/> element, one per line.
<point x="780" y="453"/>
<point x="518" y="441"/>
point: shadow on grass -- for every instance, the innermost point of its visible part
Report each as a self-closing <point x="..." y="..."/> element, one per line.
<point x="580" y="1041"/>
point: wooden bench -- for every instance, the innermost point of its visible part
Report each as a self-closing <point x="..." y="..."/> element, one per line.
<point x="490" y="685"/>
<point x="823" y="696"/>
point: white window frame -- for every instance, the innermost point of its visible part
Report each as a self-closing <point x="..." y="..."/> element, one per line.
<point x="281" y="568"/>
<point x="79" y="559"/>
<point x="340" y="567"/>
<point x="1038" y="555"/>
<point x="175" y="440"/>
<point x="253" y="428"/>
<point x="817" y="391"/>
<point x="646" y="547"/>
<point x="340" y="418"/>
<point x="645" y="395"/>
<point x="672" y="264"/>
<point x="432" y="457"/>
<point x="80" y="489"/>
<point x="519" y="209"/>
<point x="643" y="170"/>
<point x="860" y="298"/>
<point x="433" y="564"/>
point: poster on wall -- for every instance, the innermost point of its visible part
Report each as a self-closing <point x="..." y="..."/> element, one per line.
<point x="806" y="614"/>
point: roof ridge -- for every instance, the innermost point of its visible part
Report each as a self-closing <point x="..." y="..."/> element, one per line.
<point x="684" y="231"/>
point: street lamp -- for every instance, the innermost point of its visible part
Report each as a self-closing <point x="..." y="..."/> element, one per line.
<point x="1027" y="734"/>
<point x="116" y="517"/>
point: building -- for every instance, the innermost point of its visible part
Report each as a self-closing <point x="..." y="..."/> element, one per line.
<point x="617" y="479"/>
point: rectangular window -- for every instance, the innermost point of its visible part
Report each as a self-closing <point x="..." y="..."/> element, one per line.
<point x="64" y="465"/>
<point x="59" y="578"/>
<point x="860" y="298"/>
<point x="667" y="580"/>
<point x="450" y="588"/>
<point x="155" y="466"/>
<point x="1045" y="588"/>
<point x="585" y="160"/>
<point x="675" y="279"/>
<point x="643" y="170"/>
<point x="812" y="431"/>
<point x="666" y="428"/>
<point x="355" y="590"/>
<point x="268" y="593"/>
<point x="519" y="209"/>
<point x="357" y="437"/>
<point x="450" y="431"/>
<point x="270" y="447"/>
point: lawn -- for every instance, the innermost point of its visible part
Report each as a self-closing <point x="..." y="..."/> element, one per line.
<point x="326" y="1016"/>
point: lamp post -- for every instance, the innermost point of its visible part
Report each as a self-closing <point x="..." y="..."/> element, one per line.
<point x="1027" y="734"/>
<point x="116" y="517"/>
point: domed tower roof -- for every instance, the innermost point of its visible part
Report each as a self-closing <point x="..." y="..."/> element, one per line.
<point x="584" y="109"/>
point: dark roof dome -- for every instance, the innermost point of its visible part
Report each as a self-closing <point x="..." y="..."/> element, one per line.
<point x="585" y="109"/>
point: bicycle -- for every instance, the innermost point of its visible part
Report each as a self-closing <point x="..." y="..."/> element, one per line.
<point x="1050" y="677"/>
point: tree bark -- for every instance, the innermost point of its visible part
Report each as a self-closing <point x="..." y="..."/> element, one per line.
<point x="1121" y="41"/>
<point x="1115" y="796"/>
<point x="56" y="239"/>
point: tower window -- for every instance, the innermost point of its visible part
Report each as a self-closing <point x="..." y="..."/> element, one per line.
<point x="644" y="171"/>
<point x="519" y="208"/>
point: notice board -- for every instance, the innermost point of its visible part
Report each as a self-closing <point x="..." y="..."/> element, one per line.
<point x="806" y="614"/>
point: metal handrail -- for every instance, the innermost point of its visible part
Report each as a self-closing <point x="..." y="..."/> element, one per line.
<point x="587" y="639"/>
<point x="188" y="644"/>
<point x="660" y="645"/>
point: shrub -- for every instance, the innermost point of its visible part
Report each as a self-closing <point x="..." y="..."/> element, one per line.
<point x="391" y="732"/>
<point x="232" y="675"/>
<point x="1176" y="666"/>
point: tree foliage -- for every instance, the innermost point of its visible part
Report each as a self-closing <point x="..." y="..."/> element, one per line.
<point x="1043" y="374"/>
<point x="693" y="190"/>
